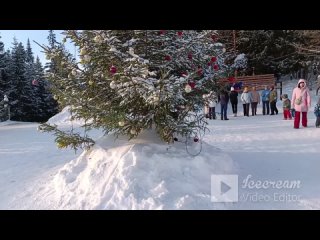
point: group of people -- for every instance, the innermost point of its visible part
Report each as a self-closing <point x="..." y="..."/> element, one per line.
<point x="247" y="98"/>
<point x="296" y="108"/>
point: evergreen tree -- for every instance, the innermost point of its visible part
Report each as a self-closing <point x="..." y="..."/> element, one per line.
<point x="47" y="106"/>
<point x="7" y="73"/>
<point x="133" y="80"/>
<point x="3" y="82"/>
<point x="23" y="88"/>
<point x="271" y="51"/>
<point x="50" y="66"/>
<point x="31" y="78"/>
<point x="29" y="53"/>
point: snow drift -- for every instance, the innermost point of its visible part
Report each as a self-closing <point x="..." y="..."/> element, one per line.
<point x="144" y="173"/>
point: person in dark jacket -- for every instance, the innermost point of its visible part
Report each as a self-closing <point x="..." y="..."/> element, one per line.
<point x="224" y="99"/>
<point x="273" y="100"/>
<point x="234" y="101"/>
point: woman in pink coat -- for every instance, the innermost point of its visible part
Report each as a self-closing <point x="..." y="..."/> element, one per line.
<point x="301" y="102"/>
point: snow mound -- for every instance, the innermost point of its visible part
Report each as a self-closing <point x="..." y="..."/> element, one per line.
<point x="64" y="119"/>
<point x="143" y="173"/>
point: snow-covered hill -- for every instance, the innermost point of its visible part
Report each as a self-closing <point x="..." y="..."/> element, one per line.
<point x="141" y="174"/>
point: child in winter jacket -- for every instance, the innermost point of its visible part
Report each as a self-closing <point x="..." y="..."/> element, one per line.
<point x="286" y="107"/>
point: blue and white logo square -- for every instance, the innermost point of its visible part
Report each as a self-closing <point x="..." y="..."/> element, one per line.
<point x="224" y="188"/>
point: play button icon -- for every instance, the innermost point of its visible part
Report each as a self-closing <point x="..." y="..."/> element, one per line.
<point x="224" y="188"/>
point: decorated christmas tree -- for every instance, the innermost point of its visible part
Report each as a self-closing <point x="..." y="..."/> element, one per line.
<point x="128" y="81"/>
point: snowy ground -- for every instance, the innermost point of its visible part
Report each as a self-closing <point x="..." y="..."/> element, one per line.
<point x="145" y="174"/>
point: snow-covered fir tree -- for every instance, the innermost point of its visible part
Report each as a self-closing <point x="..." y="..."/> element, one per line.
<point x="4" y="71"/>
<point x="3" y="82"/>
<point x="271" y="51"/>
<point x="47" y="106"/>
<point x="33" y="82"/>
<point x="128" y="81"/>
<point x="23" y="94"/>
<point x="50" y="66"/>
<point x="8" y="87"/>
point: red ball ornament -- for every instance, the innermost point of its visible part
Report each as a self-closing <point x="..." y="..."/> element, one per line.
<point x="231" y="79"/>
<point x="216" y="67"/>
<point x="190" y="56"/>
<point x="192" y="84"/>
<point x="167" y="58"/>
<point x="213" y="59"/>
<point x="161" y="32"/>
<point x="35" y="82"/>
<point x="199" y="71"/>
<point x="180" y="33"/>
<point x="113" y="69"/>
<point x="214" y="37"/>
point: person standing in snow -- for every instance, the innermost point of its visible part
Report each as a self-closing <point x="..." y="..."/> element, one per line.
<point x="246" y="100"/>
<point x="318" y="85"/>
<point x="224" y="99"/>
<point x="234" y="101"/>
<point x="206" y="105"/>
<point x="301" y="102"/>
<point x="317" y="113"/>
<point x="286" y="107"/>
<point x="265" y="100"/>
<point x="210" y="105"/>
<point x="273" y="100"/>
<point x="255" y="101"/>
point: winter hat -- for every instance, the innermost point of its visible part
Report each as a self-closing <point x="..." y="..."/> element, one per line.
<point x="232" y="89"/>
<point x="300" y="81"/>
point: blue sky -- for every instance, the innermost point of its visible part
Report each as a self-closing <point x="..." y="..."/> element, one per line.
<point x="39" y="36"/>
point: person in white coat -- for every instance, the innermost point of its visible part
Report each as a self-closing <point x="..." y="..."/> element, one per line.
<point x="210" y="105"/>
<point x="246" y="99"/>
